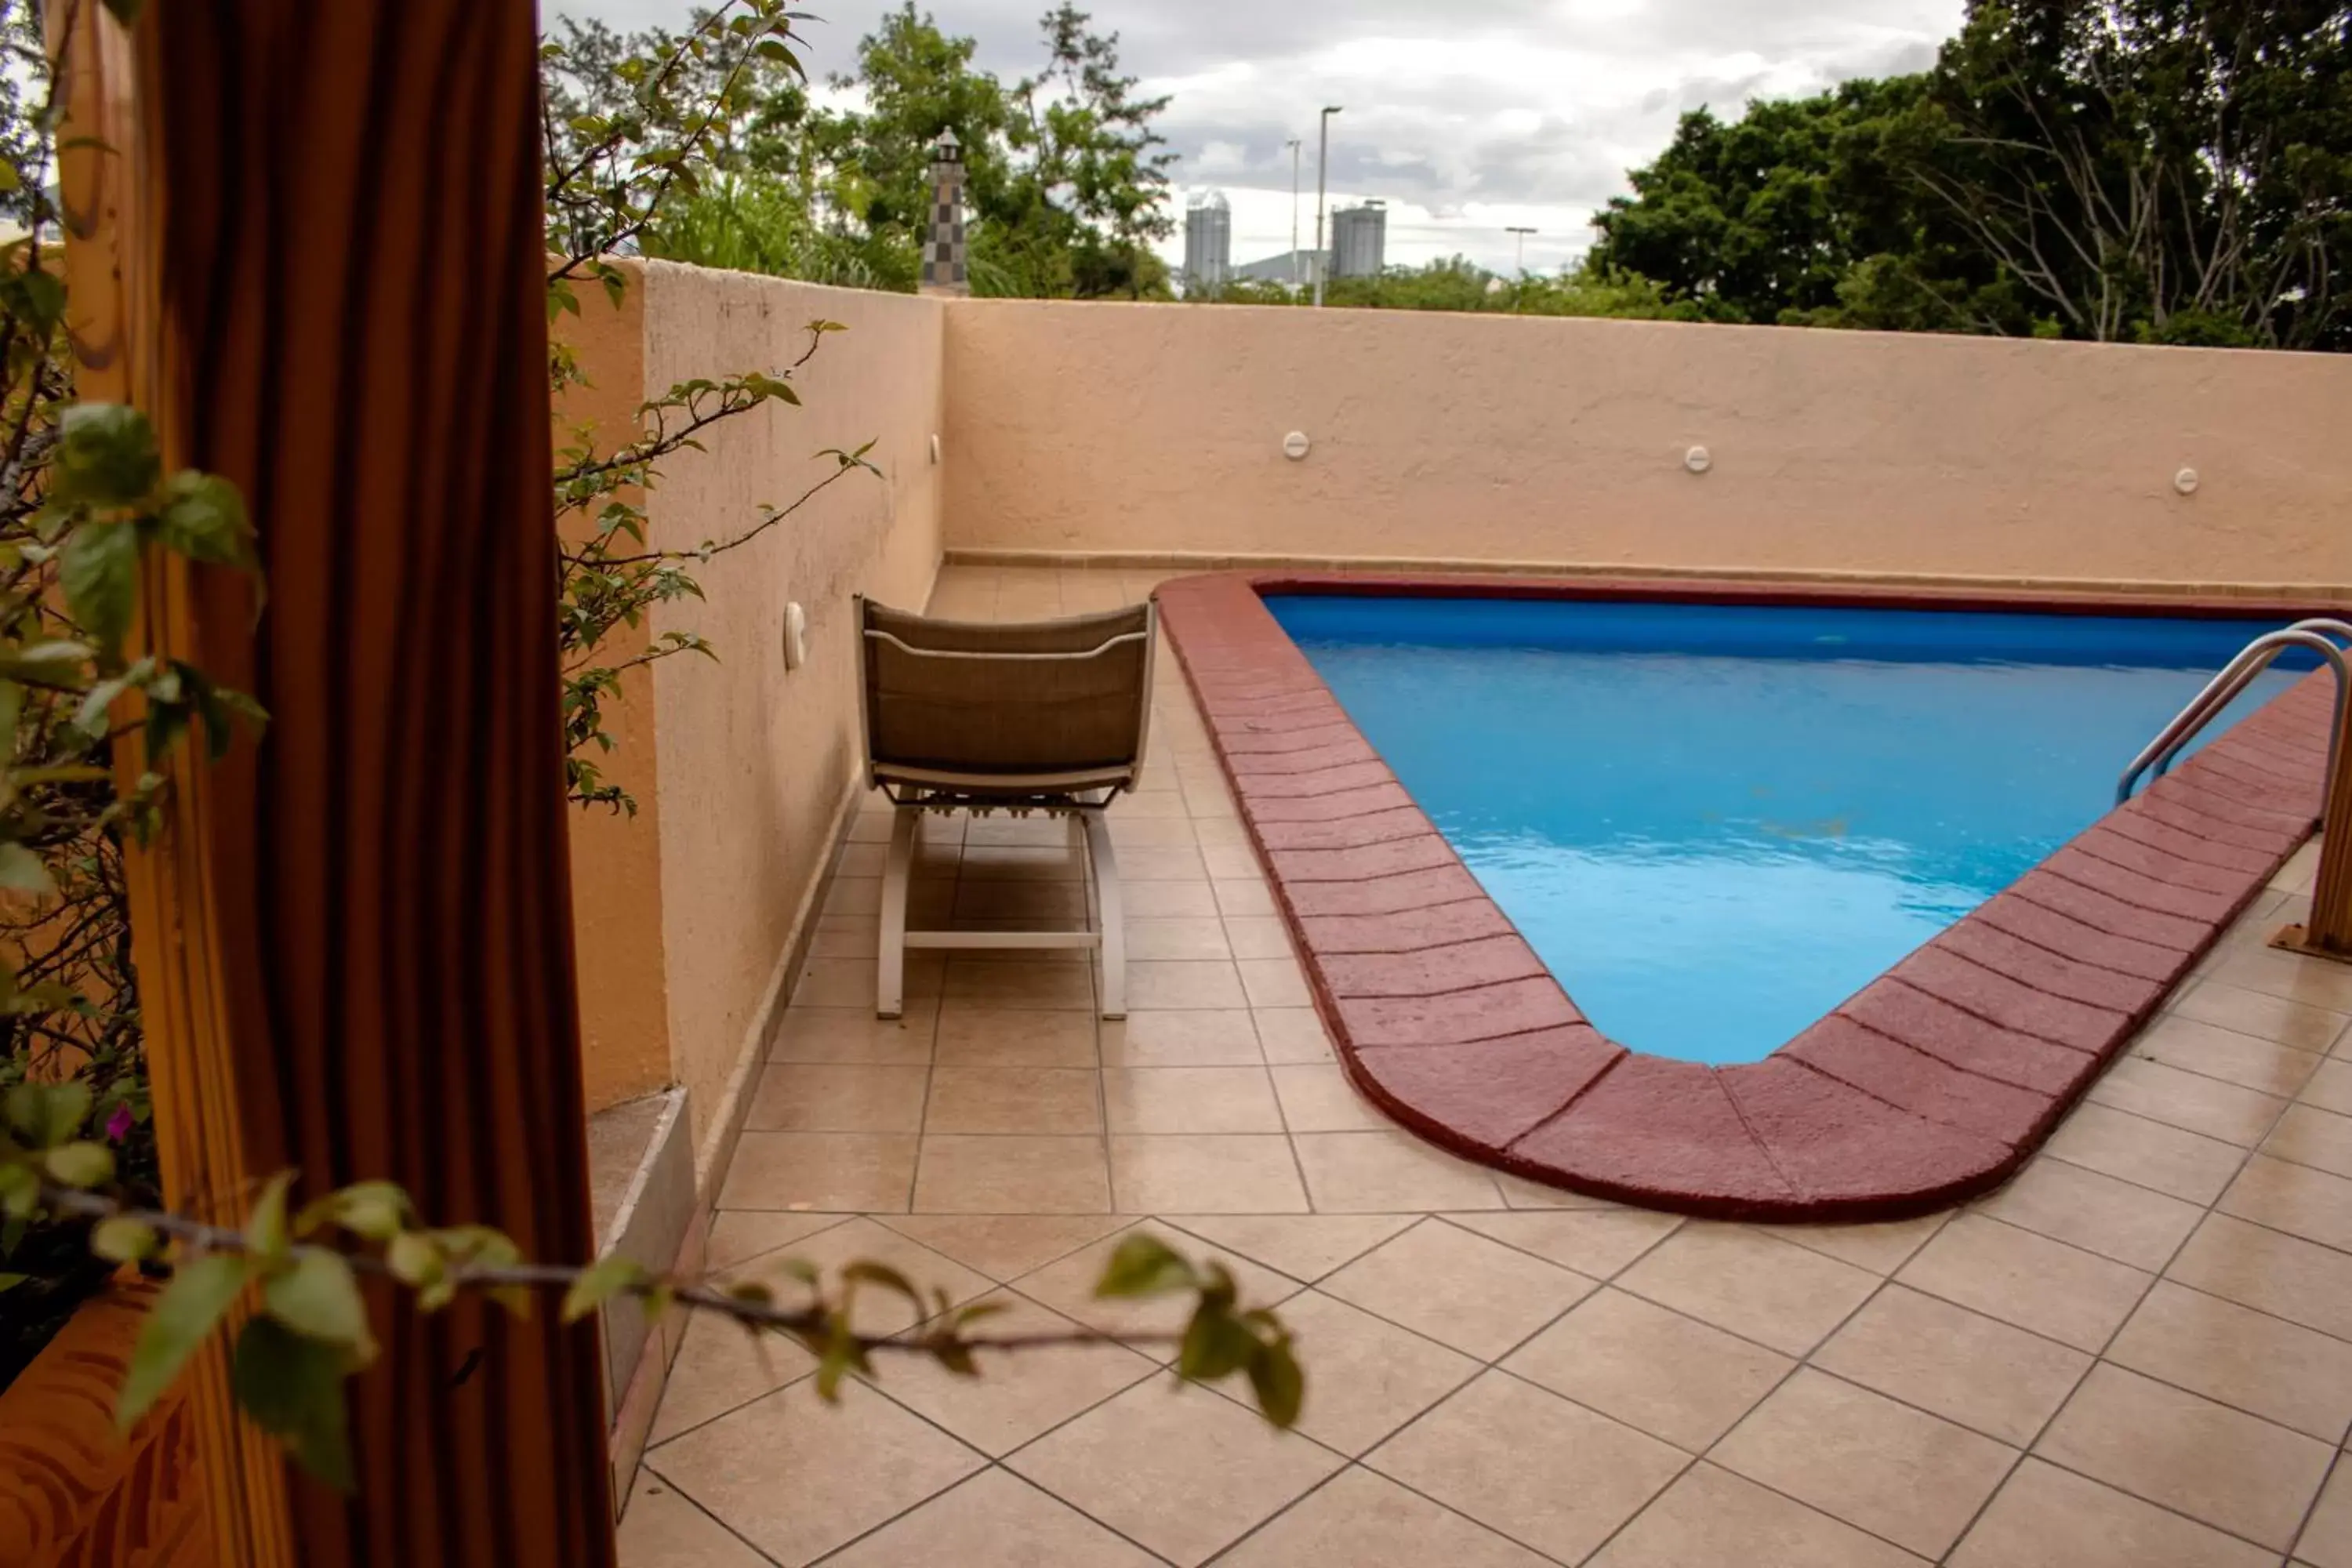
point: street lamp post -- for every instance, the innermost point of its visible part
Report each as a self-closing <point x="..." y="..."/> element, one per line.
<point x="1322" y="172"/>
<point x="1294" y="145"/>
<point x="1523" y="233"/>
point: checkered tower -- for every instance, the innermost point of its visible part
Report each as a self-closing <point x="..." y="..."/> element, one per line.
<point x="944" y="254"/>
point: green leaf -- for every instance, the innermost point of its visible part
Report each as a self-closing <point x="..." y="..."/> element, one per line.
<point x="374" y="1211"/>
<point x="57" y="663"/>
<point x="21" y="871"/>
<point x="1216" y="1344"/>
<point x="292" y="1388"/>
<point x="44" y="1115"/>
<point x="265" y="1229"/>
<point x="1145" y="1266"/>
<point x="599" y="1283"/>
<point x="83" y="1165"/>
<point x="20" y="1190"/>
<point x="99" y="570"/>
<point x="10" y="1281"/>
<point x="319" y="1299"/>
<point x="1280" y="1385"/>
<point x="415" y="1260"/>
<point x="119" y="1239"/>
<point x="204" y="518"/>
<point x="106" y="456"/>
<point x="187" y="1312"/>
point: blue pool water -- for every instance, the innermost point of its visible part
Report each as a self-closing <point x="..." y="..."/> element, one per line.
<point x="1716" y="823"/>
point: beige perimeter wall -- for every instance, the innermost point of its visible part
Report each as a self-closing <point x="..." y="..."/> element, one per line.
<point x="753" y="763"/>
<point x="1158" y="430"/>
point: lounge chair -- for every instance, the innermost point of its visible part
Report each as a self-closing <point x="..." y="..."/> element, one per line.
<point x="1045" y="716"/>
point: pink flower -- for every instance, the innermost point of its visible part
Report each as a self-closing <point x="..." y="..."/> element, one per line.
<point x="118" y="1126"/>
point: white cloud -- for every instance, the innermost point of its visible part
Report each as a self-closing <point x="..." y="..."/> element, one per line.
<point x="1465" y="116"/>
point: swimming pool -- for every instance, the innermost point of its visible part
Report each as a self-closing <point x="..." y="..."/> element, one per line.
<point x="1717" y="821"/>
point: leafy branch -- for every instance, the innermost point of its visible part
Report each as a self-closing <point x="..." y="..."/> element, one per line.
<point x="312" y="1332"/>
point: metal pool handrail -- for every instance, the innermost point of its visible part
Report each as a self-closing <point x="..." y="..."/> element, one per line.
<point x="2223" y="689"/>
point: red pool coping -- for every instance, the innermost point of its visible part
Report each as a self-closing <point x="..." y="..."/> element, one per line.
<point x="1932" y="1084"/>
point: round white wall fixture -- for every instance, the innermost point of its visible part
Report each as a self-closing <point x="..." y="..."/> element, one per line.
<point x="1699" y="459"/>
<point x="1295" y="445"/>
<point x="795" y="637"/>
<point x="935" y="447"/>
<point x="2186" y="481"/>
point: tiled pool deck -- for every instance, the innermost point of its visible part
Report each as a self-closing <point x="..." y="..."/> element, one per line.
<point x="2138" y="1352"/>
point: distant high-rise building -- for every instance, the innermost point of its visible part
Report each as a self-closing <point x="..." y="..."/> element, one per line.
<point x="1207" y="242"/>
<point x="1359" y="240"/>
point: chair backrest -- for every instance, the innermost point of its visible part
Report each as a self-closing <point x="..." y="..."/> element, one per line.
<point x="1035" y="699"/>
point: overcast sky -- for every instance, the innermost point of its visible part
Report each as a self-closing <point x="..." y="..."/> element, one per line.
<point x="1465" y="116"/>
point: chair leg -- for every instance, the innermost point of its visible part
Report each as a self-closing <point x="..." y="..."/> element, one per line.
<point x="1111" y="911"/>
<point x="890" y="970"/>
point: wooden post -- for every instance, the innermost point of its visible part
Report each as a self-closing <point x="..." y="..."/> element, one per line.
<point x="355" y="941"/>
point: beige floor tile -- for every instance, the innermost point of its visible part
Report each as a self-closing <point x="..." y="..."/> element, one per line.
<point x="844" y="936"/>
<point x="1183" y="986"/>
<point x="2300" y="1200"/>
<point x="1464" y="1291"/>
<point x="2330" y="1088"/>
<point x="1672" y="1376"/>
<point x="1017" y="1395"/>
<point x="1369" y="1378"/>
<point x="2185" y="1164"/>
<point x="1036" y="1100"/>
<point x="1961" y="1365"/>
<point x="2184" y="1452"/>
<point x="2313" y="982"/>
<point x="1601" y="1242"/>
<point x="1240" y="896"/>
<point x="1213" y="1037"/>
<point x="1882" y="1467"/>
<point x="2295" y="1376"/>
<point x="2046" y="1518"/>
<point x="1293" y="1036"/>
<point x="1389" y="1172"/>
<point x="834" y="1172"/>
<point x="1020" y="982"/>
<point x="973" y="1036"/>
<point x="1275" y="982"/>
<point x="1180" y="864"/>
<point x="2281" y="1274"/>
<point x="1358" y="1520"/>
<point x="998" y="1174"/>
<point x="1546" y="1473"/>
<point x="2327" y="1540"/>
<point x="1199" y="939"/>
<point x="1304" y="1246"/>
<point x="1232" y="862"/>
<point x="721" y="1368"/>
<point x="2309" y="1136"/>
<point x="738" y="1235"/>
<point x="1206" y="1173"/>
<point x="1713" y="1518"/>
<point x="794" y="1097"/>
<point x="1067" y="1286"/>
<point x="1031" y="832"/>
<point x="2187" y="1100"/>
<point x="994" y="1520"/>
<point x="662" y="1530"/>
<point x="2054" y="1290"/>
<point x="855" y="1037"/>
<point x="862" y="1240"/>
<point x="2096" y="1213"/>
<point x="1320" y="1098"/>
<point x="2261" y="1014"/>
<point x="849" y="982"/>
<point x="1004" y="1247"/>
<point x="1521" y="1193"/>
<point x="1881" y="1247"/>
<point x="1170" y="900"/>
<point x="797" y="1478"/>
<point x="1189" y="1099"/>
<point x="1185" y="1473"/>
<point x="1223" y="827"/>
<point x="1258" y="936"/>
<point x="855" y="895"/>
<point x="2196" y="1047"/>
<point x="1013" y="863"/>
<point x="1751" y="1284"/>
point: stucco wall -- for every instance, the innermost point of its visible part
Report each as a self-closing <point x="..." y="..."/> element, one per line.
<point x="1158" y="430"/>
<point x="754" y="761"/>
<point x="615" y="859"/>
